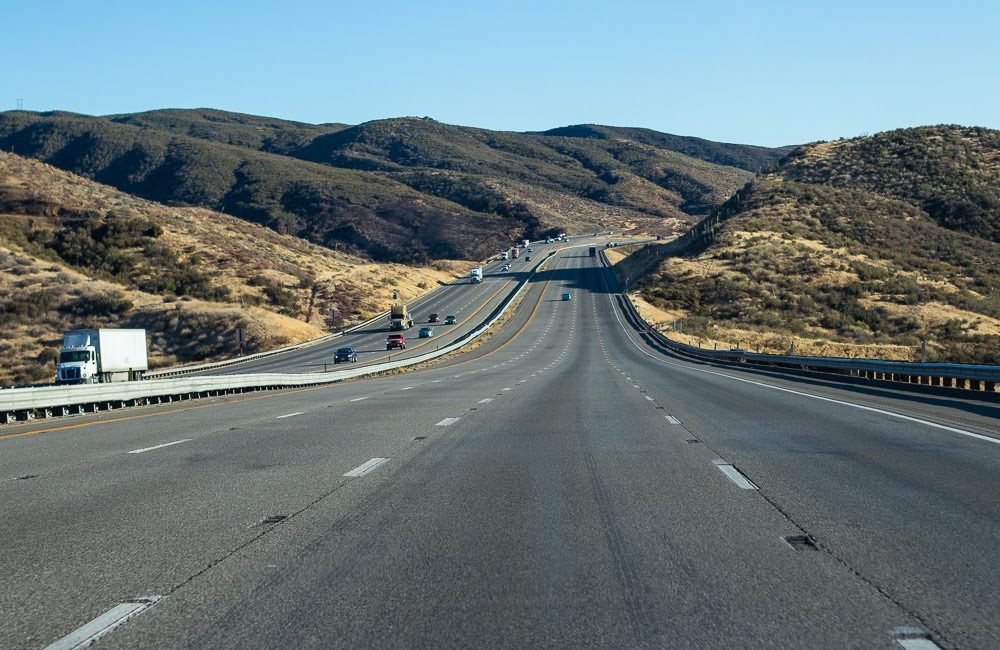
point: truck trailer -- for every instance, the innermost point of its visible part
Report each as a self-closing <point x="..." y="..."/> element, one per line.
<point x="476" y="275"/>
<point x="102" y="355"/>
<point x="515" y="253"/>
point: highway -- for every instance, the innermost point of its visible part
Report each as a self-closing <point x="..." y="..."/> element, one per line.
<point x="469" y="302"/>
<point x="565" y="484"/>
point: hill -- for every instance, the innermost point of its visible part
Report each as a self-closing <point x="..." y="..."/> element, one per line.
<point x="262" y="133"/>
<point x="406" y="189"/>
<point x="75" y="253"/>
<point x="748" y="157"/>
<point x="858" y="247"/>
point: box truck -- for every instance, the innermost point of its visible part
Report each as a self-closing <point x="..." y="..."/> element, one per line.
<point x="102" y="355"/>
<point x="476" y="275"/>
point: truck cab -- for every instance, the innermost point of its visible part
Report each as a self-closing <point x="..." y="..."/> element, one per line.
<point x="399" y="318"/>
<point x="77" y="365"/>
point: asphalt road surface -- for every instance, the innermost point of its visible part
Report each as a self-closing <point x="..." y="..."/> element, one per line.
<point x="563" y="485"/>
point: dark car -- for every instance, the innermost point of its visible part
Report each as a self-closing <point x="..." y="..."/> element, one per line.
<point x="395" y="341"/>
<point x="426" y="332"/>
<point x="434" y="318"/>
<point x="346" y="355"/>
<point x="451" y="320"/>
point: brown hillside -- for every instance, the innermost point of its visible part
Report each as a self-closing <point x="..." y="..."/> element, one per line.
<point x="75" y="253"/>
<point x="841" y="251"/>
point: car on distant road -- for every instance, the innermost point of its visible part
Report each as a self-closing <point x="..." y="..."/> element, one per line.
<point x="531" y="250"/>
<point x="395" y="341"/>
<point x="434" y="318"/>
<point x="566" y="296"/>
<point x="450" y="320"/>
<point x="426" y="332"/>
<point x="505" y="267"/>
<point x="345" y="355"/>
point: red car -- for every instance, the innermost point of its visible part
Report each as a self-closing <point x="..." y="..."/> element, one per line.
<point x="395" y="341"/>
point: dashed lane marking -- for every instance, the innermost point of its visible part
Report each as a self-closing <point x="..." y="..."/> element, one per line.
<point x="734" y="474"/>
<point x="166" y="444"/>
<point x="89" y="633"/>
<point x="366" y="467"/>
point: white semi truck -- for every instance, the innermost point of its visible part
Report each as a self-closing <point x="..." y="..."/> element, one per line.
<point x="476" y="275"/>
<point x="102" y="355"/>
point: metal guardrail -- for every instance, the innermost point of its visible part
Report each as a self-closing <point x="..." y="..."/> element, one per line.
<point x="55" y="401"/>
<point x="960" y="376"/>
<point x="201" y="367"/>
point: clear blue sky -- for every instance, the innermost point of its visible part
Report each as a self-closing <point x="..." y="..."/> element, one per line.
<point x="739" y="71"/>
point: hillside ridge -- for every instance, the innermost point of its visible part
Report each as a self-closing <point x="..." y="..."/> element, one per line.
<point x="868" y="244"/>
<point x="401" y="189"/>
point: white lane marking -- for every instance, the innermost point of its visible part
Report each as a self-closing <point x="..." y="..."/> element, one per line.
<point x="436" y="381"/>
<point x="486" y="401"/>
<point x="635" y="385"/>
<point x="90" y="632"/>
<point x="508" y="388"/>
<point x="734" y="474"/>
<point x="447" y="422"/>
<point x="358" y="399"/>
<point x="288" y="415"/>
<point x="166" y="444"/>
<point x="407" y="388"/>
<point x="918" y="644"/>
<point x="648" y="398"/>
<point x="366" y="467"/>
<point x="861" y="407"/>
<point x="671" y="419"/>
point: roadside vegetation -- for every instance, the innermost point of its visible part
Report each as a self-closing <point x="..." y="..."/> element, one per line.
<point x="74" y="253"/>
<point x="838" y="253"/>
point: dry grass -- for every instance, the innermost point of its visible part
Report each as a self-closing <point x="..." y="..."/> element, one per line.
<point x="235" y="254"/>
